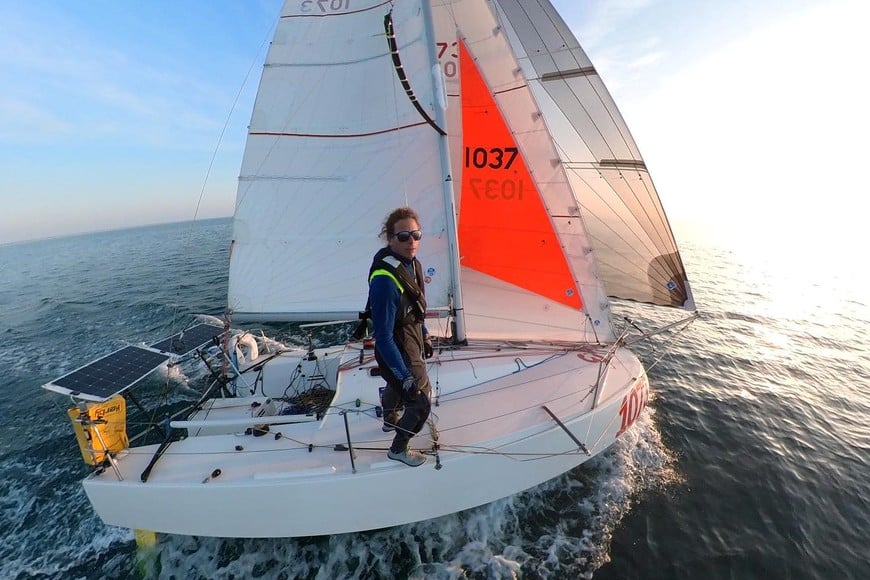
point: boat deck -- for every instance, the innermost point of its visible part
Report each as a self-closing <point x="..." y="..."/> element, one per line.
<point x="493" y="411"/>
<point x="481" y="402"/>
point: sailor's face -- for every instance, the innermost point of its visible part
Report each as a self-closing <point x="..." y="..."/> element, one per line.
<point x="402" y="229"/>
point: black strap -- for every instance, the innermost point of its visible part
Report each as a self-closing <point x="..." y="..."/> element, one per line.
<point x="412" y="289"/>
<point x="410" y="285"/>
<point x="362" y="327"/>
<point x="400" y="72"/>
<point x="408" y="282"/>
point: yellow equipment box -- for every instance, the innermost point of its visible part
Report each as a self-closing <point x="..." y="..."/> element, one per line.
<point x="96" y="438"/>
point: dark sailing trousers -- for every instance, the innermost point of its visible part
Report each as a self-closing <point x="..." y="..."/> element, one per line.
<point x="417" y="406"/>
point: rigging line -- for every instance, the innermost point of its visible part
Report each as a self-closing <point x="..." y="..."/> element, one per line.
<point x="163" y="401"/>
<point x="451" y="397"/>
<point x="530" y="347"/>
<point x="434" y="415"/>
<point x="688" y="322"/>
<point x="477" y="421"/>
<point x="605" y="431"/>
<point x="582" y="399"/>
<point x="684" y="321"/>
<point x="211" y="162"/>
<point x="533" y="455"/>
<point x="400" y="72"/>
<point x="467" y="449"/>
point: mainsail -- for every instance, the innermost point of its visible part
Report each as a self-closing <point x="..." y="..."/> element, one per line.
<point x="322" y="168"/>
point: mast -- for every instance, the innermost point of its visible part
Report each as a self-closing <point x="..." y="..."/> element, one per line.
<point x="447" y="189"/>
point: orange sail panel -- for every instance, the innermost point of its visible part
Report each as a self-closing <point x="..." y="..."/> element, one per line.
<point x="504" y="229"/>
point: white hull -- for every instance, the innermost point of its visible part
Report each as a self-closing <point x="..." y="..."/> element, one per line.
<point x="496" y="439"/>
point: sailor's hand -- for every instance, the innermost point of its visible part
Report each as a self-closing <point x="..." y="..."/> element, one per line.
<point x="410" y="385"/>
<point x="428" y="350"/>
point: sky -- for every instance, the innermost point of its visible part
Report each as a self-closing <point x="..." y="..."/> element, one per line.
<point x="751" y="116"/>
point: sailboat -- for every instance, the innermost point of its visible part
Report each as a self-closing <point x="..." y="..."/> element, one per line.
<point x="486" y="117"/>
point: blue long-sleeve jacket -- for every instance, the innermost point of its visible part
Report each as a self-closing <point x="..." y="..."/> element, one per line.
<point x="384" y="297"/>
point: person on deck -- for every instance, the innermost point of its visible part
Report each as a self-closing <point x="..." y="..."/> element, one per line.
<point x="398" y="308"/>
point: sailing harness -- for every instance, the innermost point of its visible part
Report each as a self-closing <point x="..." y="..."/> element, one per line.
<point x="385" y="264"/>
<point x="400" y="72"/>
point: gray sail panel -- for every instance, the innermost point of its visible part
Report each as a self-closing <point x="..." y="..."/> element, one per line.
<point x="635" y="248"/>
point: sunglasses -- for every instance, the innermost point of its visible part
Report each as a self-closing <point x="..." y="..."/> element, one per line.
<point x="406" y="235"/>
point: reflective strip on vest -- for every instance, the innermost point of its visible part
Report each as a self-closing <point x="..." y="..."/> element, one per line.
<point x="383" y="272"/>
<point x="392" y="261"/>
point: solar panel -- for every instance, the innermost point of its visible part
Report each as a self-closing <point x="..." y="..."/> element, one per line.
<point x="111" y="374"/>
<point x="188" y="340"/>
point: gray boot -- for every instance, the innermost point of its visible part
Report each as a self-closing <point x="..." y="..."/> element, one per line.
<point x="408" y="457"/>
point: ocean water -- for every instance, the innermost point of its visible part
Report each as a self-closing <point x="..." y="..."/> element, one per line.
<point x="751" y="460"/>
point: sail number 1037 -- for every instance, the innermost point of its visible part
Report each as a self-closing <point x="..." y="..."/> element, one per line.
<point x="632" y="404"/>
<point x="494" y="158"/>
<point x="493" y="186"/>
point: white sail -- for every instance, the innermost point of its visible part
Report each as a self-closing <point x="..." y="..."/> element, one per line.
<point x="334" y="145"/>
